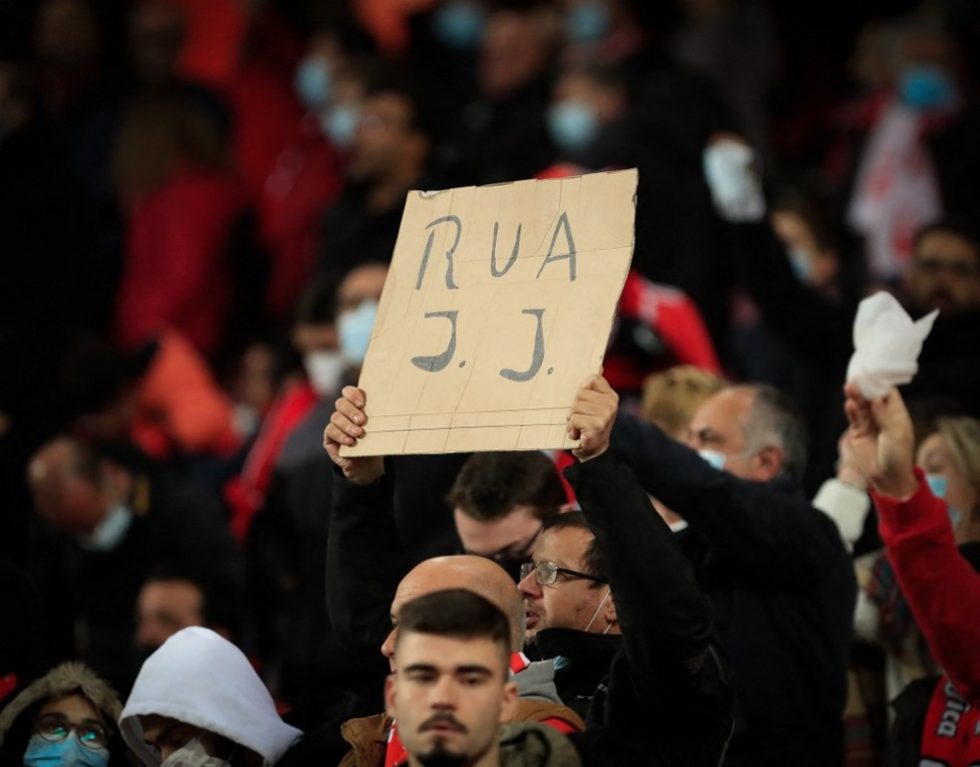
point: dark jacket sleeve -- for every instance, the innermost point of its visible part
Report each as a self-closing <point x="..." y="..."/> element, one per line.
<point x="767" y="534"/>
<point x="364" y="561"/>
<point x="676" y="675"/>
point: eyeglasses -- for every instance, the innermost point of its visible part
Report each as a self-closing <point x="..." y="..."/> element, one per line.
<point x="932" y="265"/>
<point x="55" y="728"/>
<point x="546" y="573"/>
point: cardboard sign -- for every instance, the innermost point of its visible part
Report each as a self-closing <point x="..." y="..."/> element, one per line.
<point x="498" y="305"/>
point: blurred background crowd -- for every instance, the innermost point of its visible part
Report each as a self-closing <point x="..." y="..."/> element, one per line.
<point x="198" y="199"/>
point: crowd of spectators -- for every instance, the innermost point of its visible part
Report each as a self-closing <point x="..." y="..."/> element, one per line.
<point x="743" y="563"/>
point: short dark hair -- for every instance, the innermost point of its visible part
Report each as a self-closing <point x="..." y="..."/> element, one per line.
<point x="490" y="485"/>
<point x="221" y="598"/>
<point x="317" y="304"/>
<point x="595" y="560"/>
<point x="775" y="420"/>
<point x="457" y="613"/>
<point x="959" y="227"/>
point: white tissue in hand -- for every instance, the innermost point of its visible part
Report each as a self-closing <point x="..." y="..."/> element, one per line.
<point x="886" y="345"/>
<point x="735" y="189"/>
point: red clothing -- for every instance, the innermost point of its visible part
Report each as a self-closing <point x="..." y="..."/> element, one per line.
<point x="940" y="586"/>
<point x="306" y="179"/>
<point x="246" y="493"/>
<point x="180" y="405"/>
<point x="176" y="267"/>
<point x="674" y="318"/>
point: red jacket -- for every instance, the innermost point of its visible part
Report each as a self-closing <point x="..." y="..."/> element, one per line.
<point x="940" y="586"/>
<point x="674" y="318"/>
<point x="176" y="266"/>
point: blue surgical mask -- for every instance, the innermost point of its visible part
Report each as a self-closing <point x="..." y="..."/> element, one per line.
<point x="314" y="82"/>
<point x="340" y="125"/>
<point x="587" y="22"/>
<point x="572" y="124"/>
<point x="63" y="753"/>
<point x="938" y="484"/>
<point x="924" y="87"/>
<point x="109" y="533"/>
<point x="354" y="328"/>
<point x="460" y="24"/>
<point x="714" y="458"/>
<point x="799" y="261"/>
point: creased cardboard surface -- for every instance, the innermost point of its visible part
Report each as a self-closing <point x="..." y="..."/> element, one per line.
<point x="476" y="348"/>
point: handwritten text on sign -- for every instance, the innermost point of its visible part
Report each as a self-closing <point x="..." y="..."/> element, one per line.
<point x="498" y="305"/>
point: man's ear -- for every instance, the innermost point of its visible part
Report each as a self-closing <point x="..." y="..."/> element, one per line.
<point x="510" y="699"/>
<point x="768" y="462"/>
<point x="609" y="611"/>
<point x="391" y="683"/>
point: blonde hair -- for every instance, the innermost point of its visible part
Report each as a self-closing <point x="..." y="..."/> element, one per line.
<point x="962" y="437"/>
<point x="671" y="398"/>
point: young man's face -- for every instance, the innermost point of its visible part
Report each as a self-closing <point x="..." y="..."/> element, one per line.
<point x="449" y="697"/>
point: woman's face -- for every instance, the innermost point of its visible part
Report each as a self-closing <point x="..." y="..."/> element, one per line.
<point x="71" y="730"/>
<point x="935" y="457"/>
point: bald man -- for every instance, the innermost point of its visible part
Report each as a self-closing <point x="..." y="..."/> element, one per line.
<point x="364" y="596"/>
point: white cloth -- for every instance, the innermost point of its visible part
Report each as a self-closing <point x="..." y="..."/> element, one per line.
<point x="735" y="188"/>
<point x="897" y="191"/>
<point x="886" y="345"/>
<point x="847" y="505"/>
<point x="202" y="679"/>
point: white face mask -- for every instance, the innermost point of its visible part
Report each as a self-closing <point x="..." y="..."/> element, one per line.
<point x="192" y="754"/>
<point x="597" y="611"/>
<point x="325" y="369"/>
<point x="714" y="458"/>
<point x="109" y="533"/>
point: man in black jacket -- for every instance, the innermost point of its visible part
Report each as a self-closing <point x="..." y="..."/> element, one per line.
<point x="780" y="579"/>
<point x="662" y="697"/>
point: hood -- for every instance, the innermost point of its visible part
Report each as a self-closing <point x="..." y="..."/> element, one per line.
<point x="60" y="681"/>
<point x="202" y="679"/>
<point x="537" y="681"/>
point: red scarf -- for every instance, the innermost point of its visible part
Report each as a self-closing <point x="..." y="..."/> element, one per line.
<point x="396" y="754"/>
<point x="951" y="737"/>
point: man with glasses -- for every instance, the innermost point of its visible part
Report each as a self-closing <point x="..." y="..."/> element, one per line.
<point x="654" y="690"/>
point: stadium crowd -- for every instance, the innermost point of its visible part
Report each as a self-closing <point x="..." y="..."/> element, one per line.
<point x="751" y="558"/>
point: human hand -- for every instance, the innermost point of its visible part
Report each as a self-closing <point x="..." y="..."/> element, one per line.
<point x="848" y="469"/>
<point x="882" y="441"/>
<point x="346" y="425"/>
<point x="592" y="417"/>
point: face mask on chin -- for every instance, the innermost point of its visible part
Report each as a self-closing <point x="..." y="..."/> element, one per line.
<point x="110" y="531"/>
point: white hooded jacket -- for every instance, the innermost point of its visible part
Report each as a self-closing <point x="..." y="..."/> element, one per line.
<point x="200" y="678"/>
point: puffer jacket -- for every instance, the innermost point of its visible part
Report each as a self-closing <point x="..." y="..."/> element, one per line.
<point x="17" y="718"/>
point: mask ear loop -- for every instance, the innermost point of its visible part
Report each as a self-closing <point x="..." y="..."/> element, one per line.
<point x="597" y="610"/>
